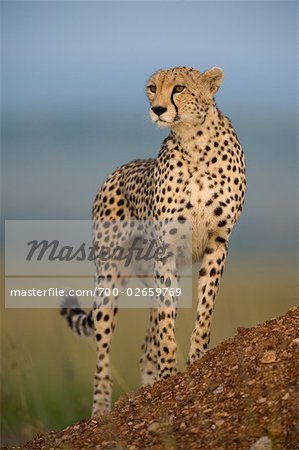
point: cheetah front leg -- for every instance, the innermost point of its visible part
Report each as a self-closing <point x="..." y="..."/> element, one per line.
<point x="208" y="283"/>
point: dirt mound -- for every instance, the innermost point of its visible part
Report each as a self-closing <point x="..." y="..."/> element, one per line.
<point x="240" y="395"/>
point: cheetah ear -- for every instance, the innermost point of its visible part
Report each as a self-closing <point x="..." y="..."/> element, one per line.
<point x="212" y="79"/>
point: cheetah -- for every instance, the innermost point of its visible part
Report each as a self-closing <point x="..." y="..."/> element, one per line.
<point x="198" y="176"/>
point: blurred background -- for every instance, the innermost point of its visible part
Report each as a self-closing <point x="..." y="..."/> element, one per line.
<point x="73" y="108"/>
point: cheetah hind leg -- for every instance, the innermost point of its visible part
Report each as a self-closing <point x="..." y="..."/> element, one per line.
<point x="110" y="278"/>
<point x="148" y="362"/>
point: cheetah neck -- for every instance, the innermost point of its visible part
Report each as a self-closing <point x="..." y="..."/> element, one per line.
<point x="193" y="138"/>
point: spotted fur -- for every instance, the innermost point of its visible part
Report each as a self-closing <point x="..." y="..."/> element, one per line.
<point x="199" y="176"/>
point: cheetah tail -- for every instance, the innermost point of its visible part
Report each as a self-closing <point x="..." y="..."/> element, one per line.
<point x="79" y="321"/>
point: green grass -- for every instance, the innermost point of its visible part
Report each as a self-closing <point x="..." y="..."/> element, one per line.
<point x="47" y="371"/>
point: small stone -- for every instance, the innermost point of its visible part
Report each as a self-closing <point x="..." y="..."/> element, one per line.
<point x="295" y="342"/>
<point x="261" y="400"/>
<point x="130" y="423"/>
<point x="153" y="426"/>
<point x="223" y="414"/>
<point x="269" y="357"/>
<point x="219" y="423"/>
<point x="263" y="443"/>
<point x="183" y="426"/>
<point x="286" y="396"/>
<point x="218" y="390"/>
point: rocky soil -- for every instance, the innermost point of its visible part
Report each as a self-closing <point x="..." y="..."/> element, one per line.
<point x="243" y="394"/>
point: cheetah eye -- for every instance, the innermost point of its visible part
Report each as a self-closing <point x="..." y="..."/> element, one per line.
<point x="178" y="88"/>
<point x="152" y="89"/>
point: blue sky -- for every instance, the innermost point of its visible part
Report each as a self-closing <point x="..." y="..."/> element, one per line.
<point x="56" y="54"/>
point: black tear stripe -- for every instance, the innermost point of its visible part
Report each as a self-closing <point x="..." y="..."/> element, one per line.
<point x="175" y="106"/>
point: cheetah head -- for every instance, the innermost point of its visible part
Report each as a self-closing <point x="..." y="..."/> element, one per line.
<point x="182" y="94"/>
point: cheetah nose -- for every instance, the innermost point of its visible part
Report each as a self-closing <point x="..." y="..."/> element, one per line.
<point x="159" y="110"/>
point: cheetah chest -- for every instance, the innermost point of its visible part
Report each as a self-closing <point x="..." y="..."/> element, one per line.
<point x="181" y="194"/>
